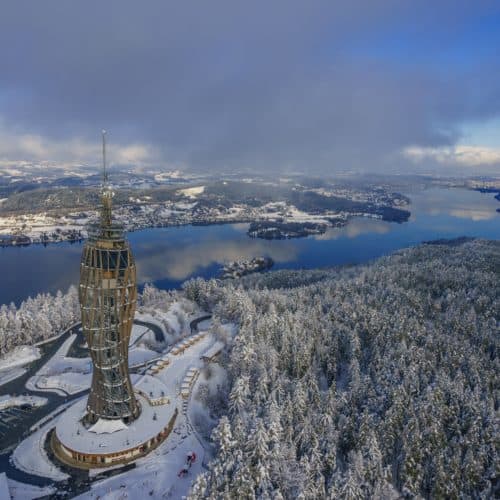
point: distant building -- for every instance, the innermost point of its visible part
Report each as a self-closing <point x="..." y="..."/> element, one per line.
<point x="108" y="295"/>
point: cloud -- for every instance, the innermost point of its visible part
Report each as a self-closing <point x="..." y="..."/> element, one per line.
<point x="285" y="85"/>
<point x="459" y="155"/>
<point x="23" y="150"/>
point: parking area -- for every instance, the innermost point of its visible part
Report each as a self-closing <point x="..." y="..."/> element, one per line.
<point x="11" y="419"/>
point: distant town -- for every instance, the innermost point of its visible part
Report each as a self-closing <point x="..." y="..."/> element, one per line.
<point x="59" y="209"/>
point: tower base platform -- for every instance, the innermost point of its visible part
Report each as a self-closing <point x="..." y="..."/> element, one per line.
<point x="111" y="442"/>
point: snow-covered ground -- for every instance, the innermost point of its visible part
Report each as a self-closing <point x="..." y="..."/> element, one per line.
<point x="155" y="475"/>
<point x="7" y="401"/>
<point x="11" y="365"/>
<point x="19" y="356"/>
<point x="30" y="455"/>
<point x="192" y="192"/>
<point x="66" y="375"/>
<point x="140" y="355"/>
<point x="140" y="332"/>
<point x="11" y="374"/>
<point x="22" y="491"/>
<point x="61" y="374"/>
<point x="64" y="384"/>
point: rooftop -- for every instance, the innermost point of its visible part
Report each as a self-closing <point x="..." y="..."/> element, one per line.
<point x="112" y="438"/>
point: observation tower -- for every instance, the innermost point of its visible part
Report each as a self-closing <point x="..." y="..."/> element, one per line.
<point x="115" y="425"/>
<point x="107" y="301"/>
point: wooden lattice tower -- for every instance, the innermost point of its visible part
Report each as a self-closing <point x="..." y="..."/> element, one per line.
<point x="107" y="300"/>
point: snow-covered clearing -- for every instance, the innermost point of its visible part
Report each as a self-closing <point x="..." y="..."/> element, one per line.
<point x="30" y="455"/>
<point x="139" y="332"/>
<point x="140" y="355"/>
<point x="11" y="374"/>
<point x="61" y="374"/>
<point x="7" y="401"/>
<point x="65" y="375"/>
<point x="22" y="491"/>
<point x="19" y="356"/>
<point x="67" y="383"/>
<point x="155" y="476"/>
<point x="192" y="192"/>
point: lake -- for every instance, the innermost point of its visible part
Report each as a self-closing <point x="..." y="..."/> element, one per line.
<point x="169" y="256"/>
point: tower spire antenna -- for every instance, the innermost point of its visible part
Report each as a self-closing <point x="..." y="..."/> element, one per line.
<point x="104" y="173"/>
<point x="106" y="194"/>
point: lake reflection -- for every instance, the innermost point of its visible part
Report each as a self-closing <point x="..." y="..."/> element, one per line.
<point x="459" y="203"/>
<point x="178" y="253"/>
<point x="169" y="256"/>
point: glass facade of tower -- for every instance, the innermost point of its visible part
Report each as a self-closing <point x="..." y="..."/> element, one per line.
<point x="107" y="300"/>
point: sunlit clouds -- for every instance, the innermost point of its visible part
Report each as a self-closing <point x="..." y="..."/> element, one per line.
<point x="22" y="151"/>
<point x="459" y="155"/>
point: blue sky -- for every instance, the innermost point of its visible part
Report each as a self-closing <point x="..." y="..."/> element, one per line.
<point x="319" y="87"/>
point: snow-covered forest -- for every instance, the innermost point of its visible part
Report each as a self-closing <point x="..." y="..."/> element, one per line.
<point x="373" y="381"/>
<point x="46" y="315"/>
<point x="37" y="319"/>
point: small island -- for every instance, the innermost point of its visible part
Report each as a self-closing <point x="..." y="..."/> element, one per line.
<point x="277" y="230"/>
<point x="239" y="268"/>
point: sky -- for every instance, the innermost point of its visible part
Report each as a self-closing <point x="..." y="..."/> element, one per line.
<point x="275" y="86"/>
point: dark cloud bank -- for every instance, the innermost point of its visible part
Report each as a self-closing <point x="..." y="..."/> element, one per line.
<point x="289" y="85"/>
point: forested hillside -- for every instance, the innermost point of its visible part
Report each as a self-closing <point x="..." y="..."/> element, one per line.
<point x="37" y="319"/>
<point x="373" y="381"/>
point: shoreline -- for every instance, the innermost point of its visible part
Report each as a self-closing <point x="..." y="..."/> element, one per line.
<point x="326" y="221"/>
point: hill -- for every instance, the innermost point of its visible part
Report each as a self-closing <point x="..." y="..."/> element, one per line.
<point x="374" y="381"/>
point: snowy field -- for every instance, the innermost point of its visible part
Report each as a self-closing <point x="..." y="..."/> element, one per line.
<point x="11" y="365"/>
<point x="22" y="491"/>
<point x="65" y="375"/>
<point x="8" y="401"/>
<point x="11" y="374"/>
<point x="61" y="374"/>
<point x="30" y="455"/>
<point x="155" y="475"/>
<point x="19" y="356"/>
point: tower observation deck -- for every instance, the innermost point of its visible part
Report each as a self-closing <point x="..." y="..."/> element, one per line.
<point x="107" y="301"/>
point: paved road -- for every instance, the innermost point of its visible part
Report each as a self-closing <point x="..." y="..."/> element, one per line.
<point x="159" y="337"/>
<point x="194" y="324"/>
